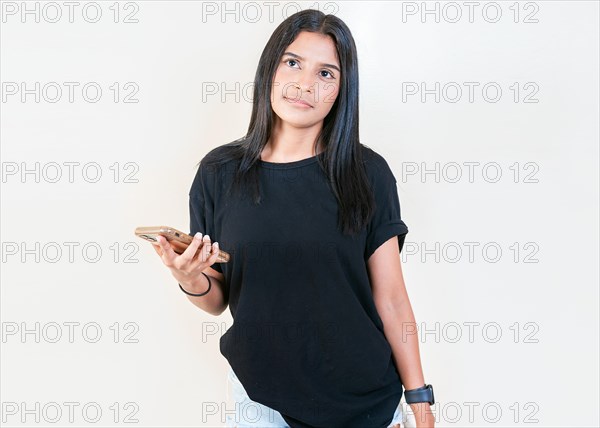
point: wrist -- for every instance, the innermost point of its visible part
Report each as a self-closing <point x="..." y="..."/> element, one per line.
<point x="200" y="285"/>
<point x="420" y="394"/>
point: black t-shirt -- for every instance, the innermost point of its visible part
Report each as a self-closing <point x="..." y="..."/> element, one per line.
<point x="306" y="338"/>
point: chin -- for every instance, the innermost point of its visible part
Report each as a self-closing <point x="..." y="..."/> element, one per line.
<point x="296" y="123"/>
<point x="293" y="117"/>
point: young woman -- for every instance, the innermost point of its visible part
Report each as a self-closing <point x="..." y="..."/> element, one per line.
<point x="311" y="218"/>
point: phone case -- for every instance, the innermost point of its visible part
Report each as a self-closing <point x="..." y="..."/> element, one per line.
<point x="178" y="239"/>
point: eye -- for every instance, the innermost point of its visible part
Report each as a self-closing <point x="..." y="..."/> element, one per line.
<point x="330" y="75"/>
<point x="328" y="72"/>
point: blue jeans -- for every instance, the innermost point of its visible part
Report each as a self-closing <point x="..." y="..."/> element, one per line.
<point x="249" y="413"/>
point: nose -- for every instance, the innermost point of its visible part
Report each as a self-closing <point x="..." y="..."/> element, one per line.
<point x="296" y="90"/>
<point x="305" y="81"/>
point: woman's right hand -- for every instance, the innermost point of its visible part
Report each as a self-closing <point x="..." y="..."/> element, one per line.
<point x="187" y="266"/>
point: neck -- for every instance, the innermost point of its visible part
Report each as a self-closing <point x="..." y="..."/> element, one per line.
<point x="288" y="143"/>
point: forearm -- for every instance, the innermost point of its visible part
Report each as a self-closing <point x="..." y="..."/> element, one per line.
<point x="401" y="332"/>
<point x="213" y="302"/>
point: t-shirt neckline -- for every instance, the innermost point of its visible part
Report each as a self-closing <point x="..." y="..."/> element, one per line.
<point x="287" y="165"/>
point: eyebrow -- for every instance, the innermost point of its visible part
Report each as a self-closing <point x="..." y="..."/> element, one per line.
<point x="302" y="59"/>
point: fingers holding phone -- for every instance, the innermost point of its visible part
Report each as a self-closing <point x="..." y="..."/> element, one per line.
<point x="199" y="251"/>
<point x="212" y="250"/>
<point x="179" y="242"/>
<point x="164" y="249"/>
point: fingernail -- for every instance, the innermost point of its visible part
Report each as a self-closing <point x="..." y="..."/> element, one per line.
<point x="197" y="235"/>
<point x="207" y="237"/>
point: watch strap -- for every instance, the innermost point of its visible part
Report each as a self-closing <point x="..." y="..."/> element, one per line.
<point x="423" y="394"/>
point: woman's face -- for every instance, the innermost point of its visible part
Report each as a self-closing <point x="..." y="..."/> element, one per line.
<point x="311" y="63"/>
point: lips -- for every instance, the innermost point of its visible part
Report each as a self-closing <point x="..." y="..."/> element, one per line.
<point x="299" y="101"/>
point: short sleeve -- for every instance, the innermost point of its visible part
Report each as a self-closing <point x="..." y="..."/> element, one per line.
<point x="201" y="209"/>
<point x="387" y="221"/>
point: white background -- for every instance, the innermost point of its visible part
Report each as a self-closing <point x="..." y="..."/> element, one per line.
<point x="541" y="301"/>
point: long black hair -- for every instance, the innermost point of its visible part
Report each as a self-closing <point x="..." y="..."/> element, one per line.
<point x="341" y="160"/>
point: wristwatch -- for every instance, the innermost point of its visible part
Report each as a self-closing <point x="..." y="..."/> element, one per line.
<point x="420" y="395"/>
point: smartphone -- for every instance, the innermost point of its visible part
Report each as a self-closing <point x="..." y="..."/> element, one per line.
<point x="179" y="240"/>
